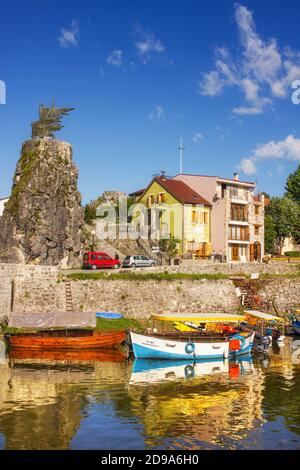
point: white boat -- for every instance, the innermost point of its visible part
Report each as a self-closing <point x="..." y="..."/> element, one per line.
<point x="191" y="345"/>
<point x="154" y="346"/>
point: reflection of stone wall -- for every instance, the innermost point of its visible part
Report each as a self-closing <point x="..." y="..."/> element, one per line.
<point x="42" y="407"/>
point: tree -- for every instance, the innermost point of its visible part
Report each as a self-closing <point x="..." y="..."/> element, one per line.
<point x="169" y="246"/>
<point x="270" y="234"/>
<point x="285" y="214"/>
<point x="292" y="186"/>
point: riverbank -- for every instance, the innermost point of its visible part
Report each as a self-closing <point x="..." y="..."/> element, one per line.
<point x="31" y="292"/>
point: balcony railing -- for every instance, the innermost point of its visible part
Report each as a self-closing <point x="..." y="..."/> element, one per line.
<point x="239" y="237"/>
<point x="238" y="218"/>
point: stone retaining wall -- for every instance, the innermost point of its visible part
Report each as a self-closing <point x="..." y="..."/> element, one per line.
<point x="140" y="299"/>
<point x="284" y="292"/>
<point x="203" y="267"/>
<point x="37" y="289"/>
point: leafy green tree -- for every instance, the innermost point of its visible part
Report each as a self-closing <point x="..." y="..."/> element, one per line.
<point x="292" y="186"/>
<point x="270" y="234"/>
<point x="89" y="213"/>
<point x="169" y="246"/>
<point x="285" y="214"/>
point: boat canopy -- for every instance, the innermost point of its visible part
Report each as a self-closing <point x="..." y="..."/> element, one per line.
<point x="200" y="317"/>
<point x="263" y="316"/>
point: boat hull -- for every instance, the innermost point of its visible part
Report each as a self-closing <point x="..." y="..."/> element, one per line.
<point x="97" y="355"/>
<point x="296" y="326"/>
<point x="95" y="340"/>
<point x="152" y="347"/>
<point x="246" y="345"/>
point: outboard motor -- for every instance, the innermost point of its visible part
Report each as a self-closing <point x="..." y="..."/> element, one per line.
<point x="262" y="342"/>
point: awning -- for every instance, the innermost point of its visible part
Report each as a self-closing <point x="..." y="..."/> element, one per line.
<point x="264" y="316"/>
<point x="200" y="317"/>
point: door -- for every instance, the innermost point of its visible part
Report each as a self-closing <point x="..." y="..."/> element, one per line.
<point x="137" y="261"/>
<point x="235" y="253"/>
<point x="252" y="252"/>
<point x="145" y="261"/>
<point x="257" y="251"/>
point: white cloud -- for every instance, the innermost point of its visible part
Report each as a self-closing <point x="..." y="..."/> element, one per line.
<point x="288" y="149"/>
<point x="158" y="114"/>
<point x="197" y="138"/>
<point x="149" y="48"/>
<point x="115" y="58"/>
<point x="247" y="166"/>
<point x="69" y="37"/>
<point x="262" y="71"/>
<point x="244" y="110"/>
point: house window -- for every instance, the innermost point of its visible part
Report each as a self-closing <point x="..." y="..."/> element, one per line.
<point x="194" y="217"/>
<point x="162" y="198"/>
<point x="256" y="210"/>
<point x="205" y="218"/>
<point x="151" y="200"/>
<point x="256" y="230"/>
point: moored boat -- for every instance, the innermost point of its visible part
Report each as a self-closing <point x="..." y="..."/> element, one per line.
<point x="66" y="339"/>
<point x="266" y="325"/>
<point x="296" y="326"/>
<point x="197" y="345"/>
<point x="86" y="355"/>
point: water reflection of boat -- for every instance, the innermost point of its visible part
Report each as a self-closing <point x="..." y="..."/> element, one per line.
<point x="210" y="344"/>
<point x="78" y="356"/>
<point x="74" y="339"/>
<point x="146" y="371"/>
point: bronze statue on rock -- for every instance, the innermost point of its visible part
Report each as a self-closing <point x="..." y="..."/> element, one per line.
<point x="49" y="122"/>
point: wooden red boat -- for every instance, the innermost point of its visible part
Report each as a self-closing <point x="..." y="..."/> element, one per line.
<point x="112" y="355"/>
<point x="66" y="339"/>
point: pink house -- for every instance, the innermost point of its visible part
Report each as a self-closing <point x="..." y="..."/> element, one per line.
<point x="237" y="218"/>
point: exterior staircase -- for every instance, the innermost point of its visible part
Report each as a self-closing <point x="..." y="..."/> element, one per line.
<point x="250" y="299"/>
<point x="69" y="298"/>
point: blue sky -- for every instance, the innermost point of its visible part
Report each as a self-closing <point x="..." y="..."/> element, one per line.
<point x="142" y="74"/>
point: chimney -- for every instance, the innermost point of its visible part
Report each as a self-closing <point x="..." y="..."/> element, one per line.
<point x="235" y="176"/>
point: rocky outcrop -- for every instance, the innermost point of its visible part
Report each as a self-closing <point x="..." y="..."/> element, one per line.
<point x="43" y="219"/>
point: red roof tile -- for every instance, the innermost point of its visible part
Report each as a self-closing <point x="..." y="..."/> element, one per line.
<point x="181" y="191"/>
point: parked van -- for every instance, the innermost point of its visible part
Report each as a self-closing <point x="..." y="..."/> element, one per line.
<point x="98" y="259"/>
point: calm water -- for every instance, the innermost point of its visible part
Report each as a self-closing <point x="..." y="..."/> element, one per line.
<point x="105" y="403"/>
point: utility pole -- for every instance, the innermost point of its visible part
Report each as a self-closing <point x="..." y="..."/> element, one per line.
<point x="181" y="149"/>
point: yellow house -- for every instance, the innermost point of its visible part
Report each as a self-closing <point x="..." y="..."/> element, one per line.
<point x="170" y="208"/>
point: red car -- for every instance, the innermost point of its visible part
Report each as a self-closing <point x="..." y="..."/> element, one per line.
<point x="98" y="259"/>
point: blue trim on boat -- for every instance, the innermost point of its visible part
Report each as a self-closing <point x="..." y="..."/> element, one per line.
<point x="140" y="352"/>
<point x="142" y="365"/>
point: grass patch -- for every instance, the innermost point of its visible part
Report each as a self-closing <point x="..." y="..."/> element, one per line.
<point x="132" y="276"/>
<point x="119" y="324"/>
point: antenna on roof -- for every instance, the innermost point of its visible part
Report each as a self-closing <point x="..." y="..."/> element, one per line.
<point x="181" y="149"/>
<point x="162" y="174"/>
